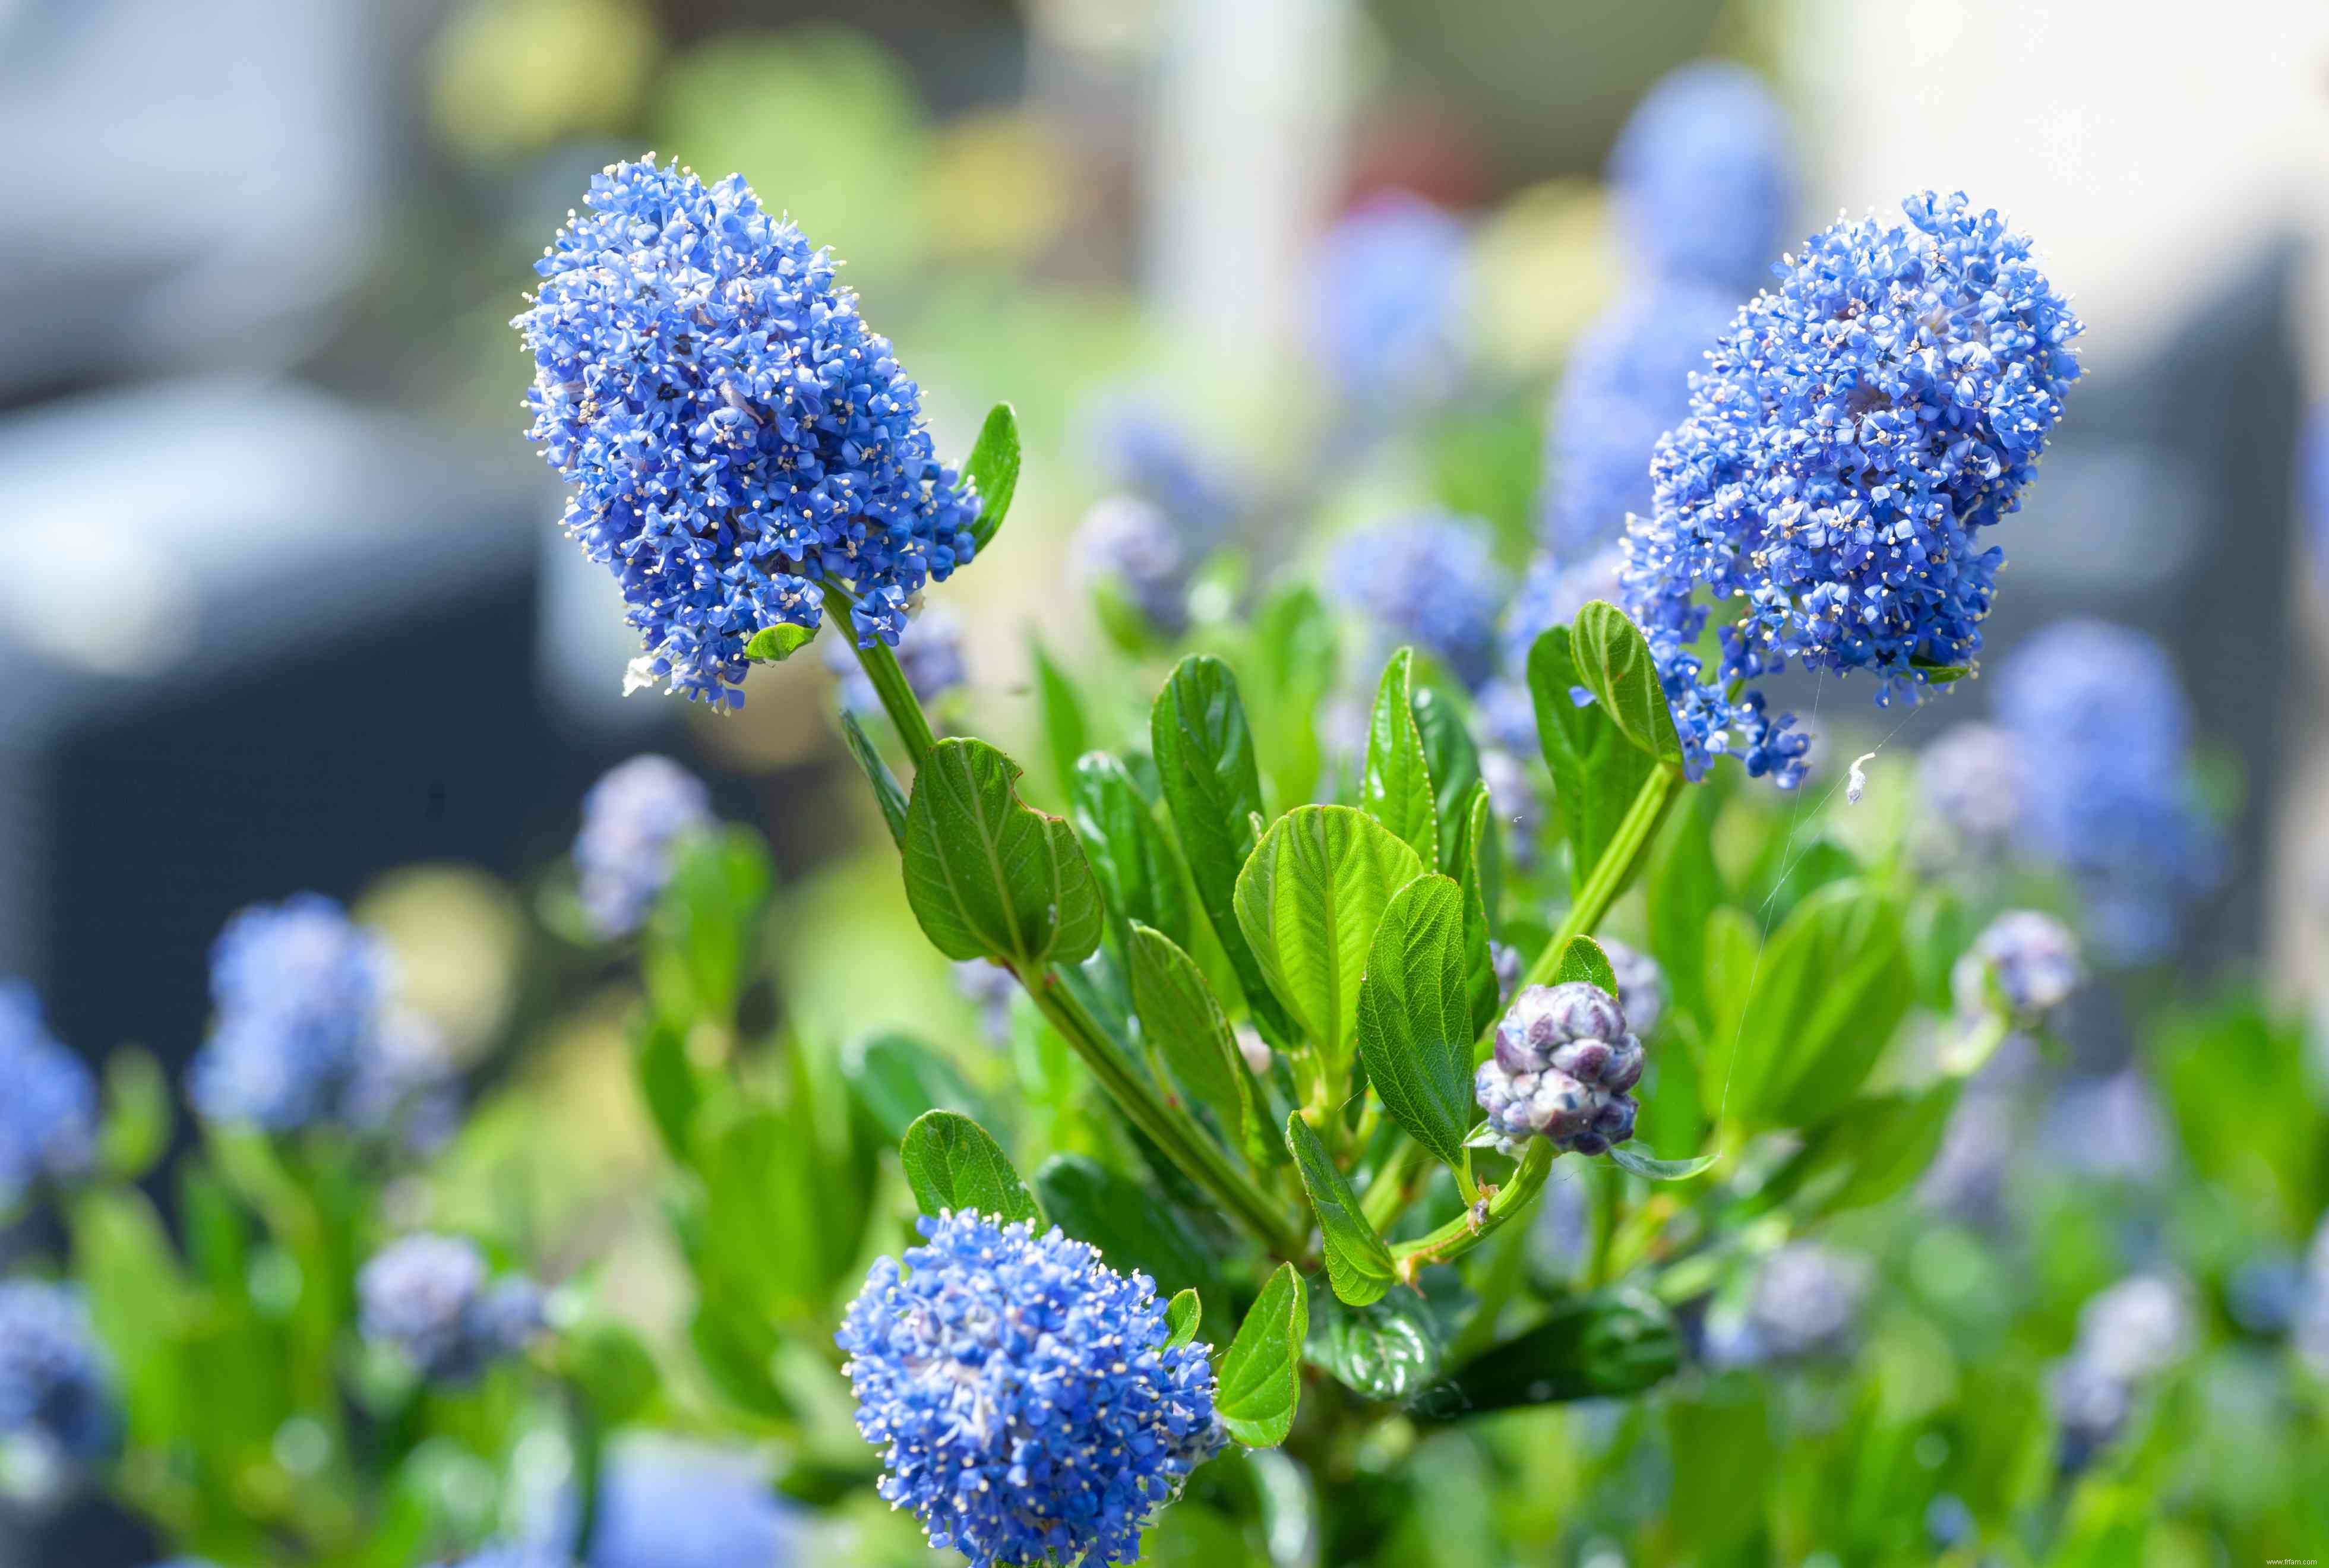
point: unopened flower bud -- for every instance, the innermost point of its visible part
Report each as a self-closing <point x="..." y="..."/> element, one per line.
<point x="1563" y="1062"/>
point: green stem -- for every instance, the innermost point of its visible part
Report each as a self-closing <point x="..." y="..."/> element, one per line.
<point x="586" y="1439"/>
<point x="1395" y="1186"/>
<point x="1462" y="1234"/>
<point x="1504" y="1270"/>
<point x="1176" y="1136"/>
<point x="1608" y="876"/>
<point x="905" y="709"/>
<point x="1609" y="1199"/>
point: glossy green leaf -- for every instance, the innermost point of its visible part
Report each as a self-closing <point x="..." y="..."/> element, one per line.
<point x="992" y="471"/>
<point x="1734" y="960"/>
<point x="1186" y="1027"/>
<point x="1613" y="661"/>
<point x="770" y="1246"/>
<point x="1833" y="983"/>
<point x="1066" y="733"/>
<point x="1454" y="765"/>
<point x="1480" y="874"/>
<point x="887" y="793"/>
<point x="951" y="1163"/>
<point x="1596" y="771"/>
<point x="1204" y="758"/>
<point x="1583" y="959"/>
<point x="895" y="1080"/>
<point x="705" y="929"/>
<point x="1395" y="788"/>
<point x="1680" y="883"/>
<point x="667" y="1081"/>
<point x="1358" y="1261"/>
<point x="1259" y="1380"/>
<point x="1415" y="1016"/>
<point x="605" y="1358"/>
<point x="1604" y="1346"/>
<point x="1309" y="902"/>
<point x="1638" y="1159"/>
<point x="775" y="644"/>
<point x="1131" y="1228"/>
<point x="1130" y="853"/>
<point x="989" y="876"/>
<point x="129" y="1274"/>
<point x="1297" y="659"/>
<point x="1388" y="1351"/>
<point x="137" y="1114"/>
<point x="1934" y="673"/>
<point x="1182" y="1314"/>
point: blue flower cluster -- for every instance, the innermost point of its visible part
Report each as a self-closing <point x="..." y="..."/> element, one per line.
<point x="48" y="1100"/>
<point x="1855" y="433"/>
<point x="2100" y="719"/>
<point x="297" y="992"/>
<point x="1130" y="546"/>
<point x="1806" y="1303"/>
<point x="1430" y="579"/>
<point x="1968" y="791"/>
<point x="1551" y="594"/>
<point x="1626" y="384"/>
<point x="633" y="820"/>
<point x="664" y="1503"/>
<point x="1022" y="1393"/>
<point x="930" y="653"/>
<point x="1389" y="298"/>
<point x="2127" y="1335"/>
<point x="433" y="1299"/>
<point x="56" y="1385"/>
<point x="1704" y="177"/>
<point x="1144" y="453"/>
<point x="739" y="441"/>
<point x="2031" y="959"/>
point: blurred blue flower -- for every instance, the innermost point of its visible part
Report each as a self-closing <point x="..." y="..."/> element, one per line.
<point x="1551" y="594"/>
<point x="930" y="653"/>
<point x="2102" y="724"/>
<point x="1022" y="1395"/>
<point x="1430" y="579"/>
<point x="1389" y="298"/>
<point x="1626" y="384"/>
<point x="56" y="1384"/>
<point x="1704" y="177"/>
<point x="2310" y="1329"/>
<point x="633" y="820"/>
<point x="1641" y="985"/>
<point x="737" y="438"/>
<point x="2031" y="959"/>
<point x="1130" y="545"/>
<point x="665" y="1503"/>
<point x="48" y="1100"/>
<point x="296" y="992"/>
<point x="1518" y="812"/>
<point x="1968" y="792"/>
<point x="1806" y="1303"/>
<point x="1854" y="434"/>
<point x="1144" y="453"/>
<point x="433" y="1299"/>
<point x="989" y="988"/>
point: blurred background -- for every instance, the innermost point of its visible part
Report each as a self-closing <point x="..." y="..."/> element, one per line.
<point x="284" y="602"/>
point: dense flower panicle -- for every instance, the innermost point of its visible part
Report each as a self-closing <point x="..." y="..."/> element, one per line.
<point x="1389" y="301"/>
<point x="1969" y="789"/>
<point x="432" y="1298"/>
<point x="1704" y="176"/>
<point x="298" y="993"/>
<point x="989" y="988"/>
<point x="1856" y="431"/>
<point x="929" y="655"/>
<point x="2097" y="712"/>
<point x="1641" y="985"/>
<point x="1628" y="383"/>
<point x="56" y="1384"/>
<point x="1806" y="1303"/>
<point x="633" y="820"/>
<point x="736" y="437"/>
<point x="1022" y="1395"/>
<point x="1130" y="544"/>
<point x="2031" y="959"/>
<point x="48" y="1098"/>
<point x="1563" y="1062"/>
<point x="1430" y="579"/>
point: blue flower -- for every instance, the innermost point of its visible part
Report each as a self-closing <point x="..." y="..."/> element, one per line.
<point x="48" y="1100"/>
<point x="1430" y="579"/>
<point x="738" y="440"/>
<point x="669" y="1503"/>
<point x="1968" y="791"/>
<point x="2099" y="716"/>
<point x="930" y="653"/>
<point x="1145" y="454"/>
<point x="1806" y="1303"/>
<point x="1855" y="433"/>
<point x="56" y="1383"/>
<point x="1641" y="985"/>
<point x="2127" y="1335"/>
<point x="1022" y="1393"/>
<point x="1628" y="383"/>
<point x="1389" y="297"/>
<point x="1564" y="1064"/>
<point x="2031" y="959"/>
<point x="1704" y="176"/>
<point x="1551" y="594"/>
<point x="297" y="990"/>
<point x="1518" y="812"/>
<point x="432" y="1298"/>
<point x="989" y="988"/>
<point x="633" y="820"/>
<point x="1130" y="545"/>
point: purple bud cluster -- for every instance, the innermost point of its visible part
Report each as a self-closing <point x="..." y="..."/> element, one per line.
<point x="1564" y="1063"/>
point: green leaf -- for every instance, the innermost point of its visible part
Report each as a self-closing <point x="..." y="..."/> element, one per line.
<point x="1604" y="1346"/>
<point x="1680" y="883"/>
<point x="951" y="1163"/>
<point x="137" y="1114"/>
<point x="1299" y="657"/>
<point x="1119" y="1216"/>
<point x="1188" y="1030"/>
<point x="1183" y="1313"/>
<point x="772" y="645"/>
<point x="992" y="471"/>
<point x="1131" y="855"/>
<point x="667" y="1081"/>
<point x="1833" y="983"/>
<point x="123" y="1262"/>
<point x="1358" y="1261"/>
<point x="1637" y="1158"/>
<point x="1415" y="1016"/>
<point x="1259" y="1381"/>
<point x="1396" y="787"/>
<point x="1596" y="773"/>
<point x="705" y="930"/>
<point x="1583" y="959"/>
<point x="1723" y="1434"/>
<point x="1480" y="874"/>
<point x="1066" y="735"/>
<point x="1454" y="765"/>
<point x="987" y="875"/>
<point x="1934" y="673"/>
<point x="771" y="1244"/>
<point x="1309" y="902"/>
<point x="887" y="793"/>
<point x="1387" y="1351"/>
<point x="613" y="1367"/>
<point x="1613" y="661"/>
<point x="895" y="1080"/>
